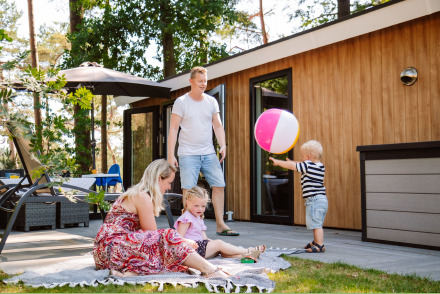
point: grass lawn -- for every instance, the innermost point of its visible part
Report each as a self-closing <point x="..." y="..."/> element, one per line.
<point x="304" y="276"/>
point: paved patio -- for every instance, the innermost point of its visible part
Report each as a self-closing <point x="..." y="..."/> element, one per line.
<point x="39" y="248"/>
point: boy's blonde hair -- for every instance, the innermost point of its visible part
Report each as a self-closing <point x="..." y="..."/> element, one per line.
<point x="195" y="192"/>
<point x="149" y="183"/>
<point x="313" y="148"/>
<point x="198" y="70"/>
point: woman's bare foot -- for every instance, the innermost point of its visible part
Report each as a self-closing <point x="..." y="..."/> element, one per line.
<point x="216" y="273"/>
<point x="114" y="272"/>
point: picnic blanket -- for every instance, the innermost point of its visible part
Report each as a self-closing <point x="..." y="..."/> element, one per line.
<point x="81" y="271"/>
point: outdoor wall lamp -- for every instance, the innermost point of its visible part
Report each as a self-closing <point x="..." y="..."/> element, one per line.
<point x="408" y="76"/>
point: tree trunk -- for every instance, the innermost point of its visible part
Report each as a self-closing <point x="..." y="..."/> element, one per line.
<point x="343" y="8"/>
<point x="76" y="14"/>
<point x="81" y="132"/>
<point x="104" y="165"/>
<point x="169" y="59"/>
<point x="34" y="64"/>
<point x="104" y="135"/>
<point x="83" y="146"/>
<point x="263" y="26"/>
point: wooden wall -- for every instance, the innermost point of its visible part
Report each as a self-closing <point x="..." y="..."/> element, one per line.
<point x="344" y="95"/>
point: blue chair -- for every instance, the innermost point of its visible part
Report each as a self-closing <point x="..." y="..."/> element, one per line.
<point x="112" y="181"/>
<point x="102" y="182"/>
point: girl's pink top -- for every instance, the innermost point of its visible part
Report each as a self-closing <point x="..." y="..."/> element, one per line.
<point x="194" y="231"/>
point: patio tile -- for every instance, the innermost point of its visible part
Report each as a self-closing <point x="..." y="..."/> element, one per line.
<point x="39" y="248"/>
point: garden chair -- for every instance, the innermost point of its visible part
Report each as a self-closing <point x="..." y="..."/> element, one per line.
<point x="41" y="190"/>
<point x="111" y="181"/>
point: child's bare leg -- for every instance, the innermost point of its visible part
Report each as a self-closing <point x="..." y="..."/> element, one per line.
<point x="216" y="247"/>
<point x="318" y="236"/>
<point x="227" y="250"/>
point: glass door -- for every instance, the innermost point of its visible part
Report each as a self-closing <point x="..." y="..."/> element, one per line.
<point x="271" y="187"/>
<point x="141" y="142"/>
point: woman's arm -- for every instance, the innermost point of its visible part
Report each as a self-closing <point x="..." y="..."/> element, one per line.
<point x="144" y="209"/>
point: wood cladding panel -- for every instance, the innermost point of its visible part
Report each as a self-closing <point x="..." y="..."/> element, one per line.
<point x="429" y="184"/>
<point x="405" y="221"/>
<point x="417" y="238"/>
<point x="429" y="203"/>
<point x="403" y="166"/>
<point x="344" y="95"/>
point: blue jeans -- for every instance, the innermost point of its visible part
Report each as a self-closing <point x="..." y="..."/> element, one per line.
<point x="316" y="208"/>
<point x="191" y="165"/>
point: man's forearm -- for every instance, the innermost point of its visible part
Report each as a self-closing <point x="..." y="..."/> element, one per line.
<point x="172" y="138"/>
<point x="220" y="135"/>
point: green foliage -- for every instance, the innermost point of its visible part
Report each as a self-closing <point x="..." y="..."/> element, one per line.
<point x="82" y="97"/>
<point x="304" y="276"/>
<point x="119" y="33"/>
<point x="278" y="85"/>
<point x="52" y="42"/>
<point x="51" y="146"/>
<point x="242" y="28"/>
<point x="14" y="62"/>
<point x="6" y="162"/>
<point x="99" y="200"/>
<point x="9" y="16"/>
<point x="317" y="12"/>
<point x="4" y="37"/>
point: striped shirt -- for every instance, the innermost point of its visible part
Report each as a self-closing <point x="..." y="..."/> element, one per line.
<point x="312" y="178"/>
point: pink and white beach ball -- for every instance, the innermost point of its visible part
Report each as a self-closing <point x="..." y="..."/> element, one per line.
<point x="276" y="130"/>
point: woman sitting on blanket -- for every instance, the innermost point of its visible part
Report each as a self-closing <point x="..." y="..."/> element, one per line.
<point x="191" y="226"/>
<point x="129" y="243"/>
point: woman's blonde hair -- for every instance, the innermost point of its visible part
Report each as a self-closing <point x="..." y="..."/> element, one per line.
<point x="195" y="192"/>
<point x="149" y="183"/>
<point x="313" y="148"/>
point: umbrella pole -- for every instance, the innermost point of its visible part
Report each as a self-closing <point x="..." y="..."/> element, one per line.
<point x="93" y="143"/>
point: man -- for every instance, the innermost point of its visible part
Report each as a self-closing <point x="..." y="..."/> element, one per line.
<point x="197" y="114"/>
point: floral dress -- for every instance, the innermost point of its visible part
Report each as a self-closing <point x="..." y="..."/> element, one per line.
<point x="121" y="244"/>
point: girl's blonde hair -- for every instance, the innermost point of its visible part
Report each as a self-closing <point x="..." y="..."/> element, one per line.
<point x="149" y="183"/>
<point x="195" y="192"/>
<point x="313" y="148"/>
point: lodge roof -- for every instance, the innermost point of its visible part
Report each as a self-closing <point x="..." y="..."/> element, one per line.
<point x="370" y="20"/>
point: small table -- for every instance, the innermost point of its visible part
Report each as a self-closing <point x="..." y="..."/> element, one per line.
<point x="101" y="176"/>
<point x="79" y="182"/>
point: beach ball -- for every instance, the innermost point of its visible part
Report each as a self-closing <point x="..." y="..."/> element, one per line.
<point x="276" y="130"/>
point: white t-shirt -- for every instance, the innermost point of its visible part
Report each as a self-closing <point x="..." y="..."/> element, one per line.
<point x="195" y="137"/>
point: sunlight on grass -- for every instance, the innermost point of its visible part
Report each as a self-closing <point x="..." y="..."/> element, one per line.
<point x="305" y="276"/>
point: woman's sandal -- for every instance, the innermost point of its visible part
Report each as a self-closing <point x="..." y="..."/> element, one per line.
<point x="217" y="273"/>
<point x="254" y="252"/>
<point x="316" y="248"/>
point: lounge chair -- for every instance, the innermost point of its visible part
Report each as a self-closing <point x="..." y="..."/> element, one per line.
<point x="42" y="191"/>
<point x="28" y="190"/>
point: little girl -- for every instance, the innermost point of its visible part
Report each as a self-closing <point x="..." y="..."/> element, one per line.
<point x="191" y="226"/>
